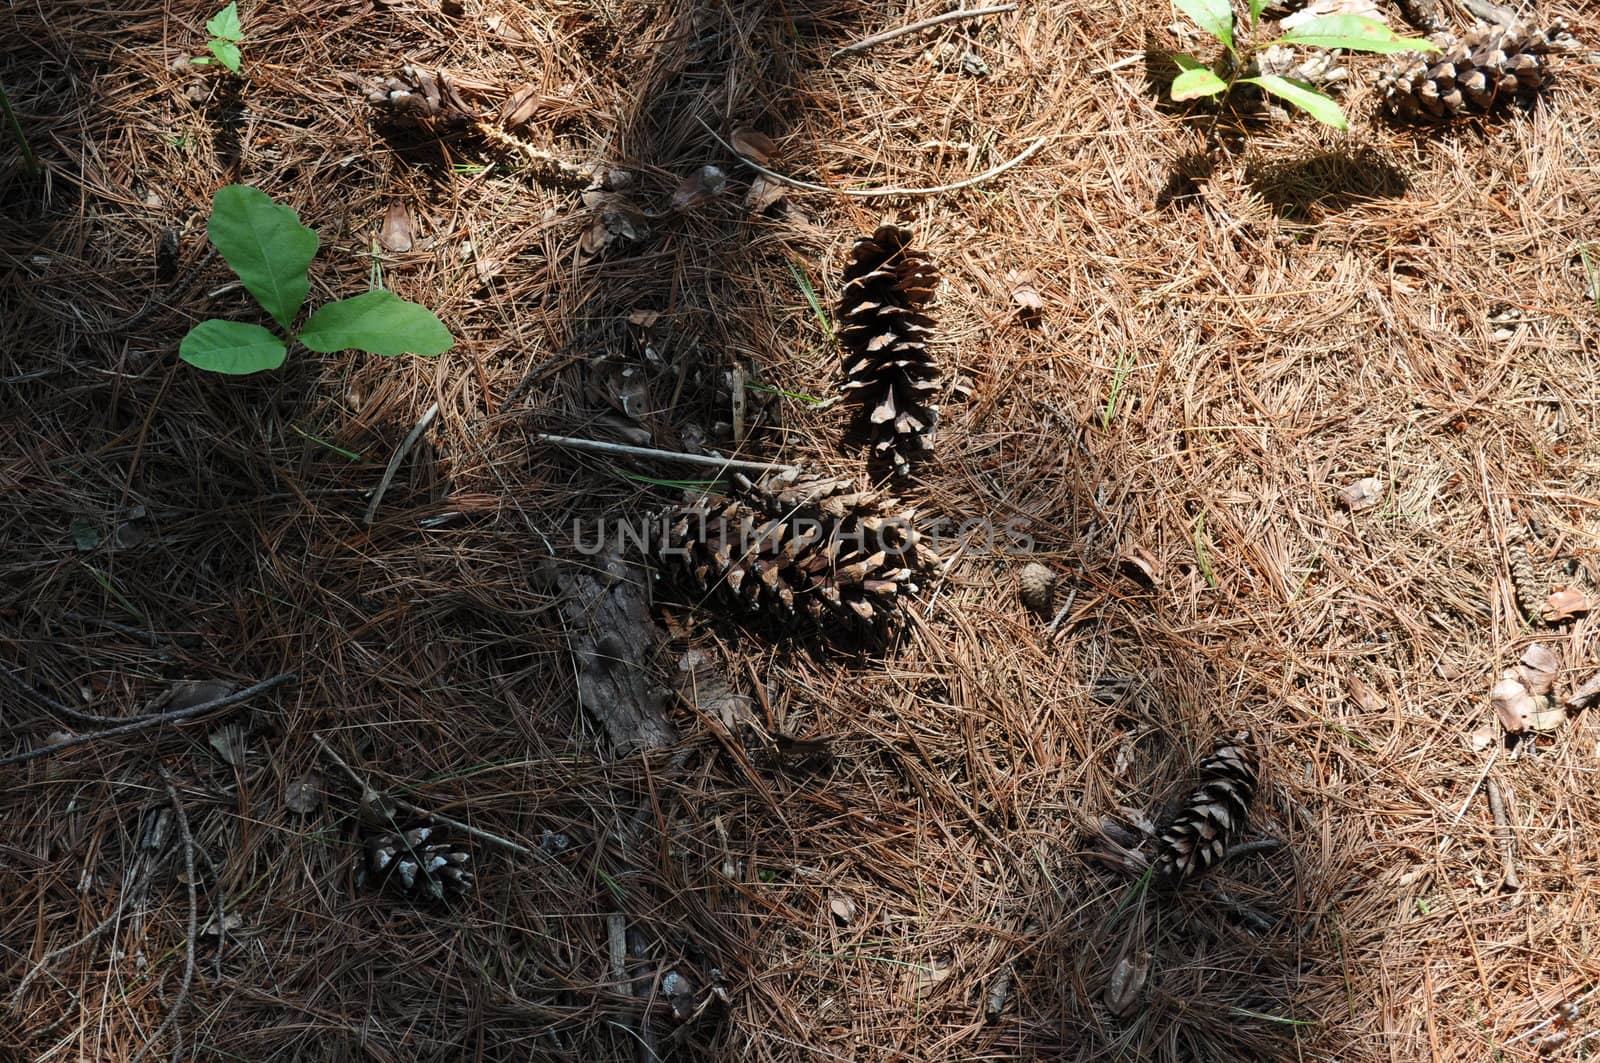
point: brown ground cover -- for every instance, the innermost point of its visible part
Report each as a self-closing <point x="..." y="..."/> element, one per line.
<point x="1228" y="339"/>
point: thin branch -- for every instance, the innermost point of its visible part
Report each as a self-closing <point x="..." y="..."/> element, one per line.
<point x="144" y="723"/>
<point x="53" y="706"/>
<point x="399" y="455"/>
<point x="1508" y="842"/>
<point x="188" y="962"/>
<point x="712" y="460"/>
<point x="418" y="810"/>
<point x="868" y="193"/>
<point x="927" y="23"/>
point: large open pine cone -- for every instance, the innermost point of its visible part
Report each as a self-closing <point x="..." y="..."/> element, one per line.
<point x="1489" y="66"/>
<point x="883" y="330"/>
<point x="796" y="546"/>
<point x="415" y="865"/>
<point x="1214" y="815"/>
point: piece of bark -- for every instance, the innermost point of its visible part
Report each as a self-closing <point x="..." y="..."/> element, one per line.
<point x="614" y="641"/>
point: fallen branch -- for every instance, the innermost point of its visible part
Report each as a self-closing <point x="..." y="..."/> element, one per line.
<point x="602" y="447"/>
<point x="1508" y="842"/>
<point x="144" y="723"/>
<point x="868" y="193"/>
<point x="927" y="23"/>
<point x="188" y="964"/>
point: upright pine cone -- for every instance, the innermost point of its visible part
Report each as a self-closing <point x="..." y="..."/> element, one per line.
<point x="883" y="328"/>
<point x="1489" y="66"/>
<point x="415" y="867"/>
<point x="796" y="546"/>
<point x="1214" y="815"/>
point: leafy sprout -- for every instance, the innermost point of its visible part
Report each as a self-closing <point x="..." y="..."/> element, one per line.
<point x="226" y="33"/>
<point x="1355" y="33"/>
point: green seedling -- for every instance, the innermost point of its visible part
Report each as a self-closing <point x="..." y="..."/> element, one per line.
<point x="29" y="159"/>
<point x="271" y="252"/>
<point x="226" y="34"/>
<point x="1355" y="33"/>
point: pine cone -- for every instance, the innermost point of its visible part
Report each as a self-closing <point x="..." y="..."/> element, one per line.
<point x="413" y="867"/>
<point x="1473" y="74"/>
<point x="797" y="546"/>
<point x="422" y="95"/>
<point x="1214" y="815"/>
<point x="883" y="329"/>
<point x="1036" y="586"/>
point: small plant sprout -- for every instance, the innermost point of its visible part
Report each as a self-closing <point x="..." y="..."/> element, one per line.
<point x="1356" y="33"/>
<point x="270" y="250"/>
<point x="226" y="33"/>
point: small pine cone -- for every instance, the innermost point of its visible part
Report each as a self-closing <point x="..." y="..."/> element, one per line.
<point x="1486" y="68"/>
<point x="883" y="330"/>
<point x="412" y="866"/>
<point x="1213" y="816"/>
<point x="797" y="546"/>
<point x="1036" y="585"/>
<point x="422" y="95"/>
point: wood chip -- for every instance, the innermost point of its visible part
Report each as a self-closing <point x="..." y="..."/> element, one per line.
<point x="396" y="233"/>
<point x="1361" y="495"/>
<point x="842" y="907"/>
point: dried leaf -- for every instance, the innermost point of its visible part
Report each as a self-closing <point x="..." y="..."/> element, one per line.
<point x="764" y="194"/>
<point x="1125" y="989"/>
<point x="1538" y="667"/>
<point x="644" y="318"/>
<point x="520" y="106"/>
<point x="1569" y="603"/>
<point x="753" y="145"/>
<point x="228" y="924"/>
<point x="1363" y="494"/>
<point x="698" y="187"/>
<point x="1023" y="293"/>
<point x="229" y="743"/>
<point x="396" y="233"/>
<point x="187" y="693"/>
<point x="1512" y="703"/>
<point x="1139" y="564"/>
<point x="302" y="795"/>
<point x="1482" y="738"/>
<point x="1363" y="694"/>
<point x="843" y="908"/>
<point x="940" y="968"/>
<point x="1547" y="718"/>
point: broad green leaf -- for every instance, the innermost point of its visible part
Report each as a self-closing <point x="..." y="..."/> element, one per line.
<point x="227" y="54"/>
<point x="1213" y="16"/>
<point x="378" y="322"/>
<point x="1192" y="84"/>
<point x="1358" y="33"/>
<point x="1302" y="96"/>
<point x="231" y="347"/>
<point x="267" y="247"/>
<point x="1185" y="61"/>
<point x="1256" y="7"/>
<point x="224" y="25"/>
<point x="202" y="60"/>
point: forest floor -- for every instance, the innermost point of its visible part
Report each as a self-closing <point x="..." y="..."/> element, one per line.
<point x="1229" y="338"/>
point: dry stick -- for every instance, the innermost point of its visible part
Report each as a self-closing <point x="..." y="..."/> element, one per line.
<point x="600" y="447"/>
<point x="1508" y="843"/>
<point x="868" y="193"/>
<point x="188" y="963"/>
<point x="927" y="23"/>
<point x="418" y="810"/>
<point x="54" y="706"/>
<point x="144" y="723"/>
<point x="1444" y="841"/>
<point x="399" y="455"/>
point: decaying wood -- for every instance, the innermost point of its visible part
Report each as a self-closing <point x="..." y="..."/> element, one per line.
<point x="613" y="640"/>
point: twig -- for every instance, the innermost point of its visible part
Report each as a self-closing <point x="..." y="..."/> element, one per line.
<point x="188" y="962"/>
<point x="399" y="455"/>
<point x="50" y="704"/>
<point x="1444" y="841"/>
<point x="927" y="23"/>
<point x="1502" y="830"/>
<point x="601" y="447"/>
<point x="418" y="810"/>
<point x="868" y="193"/>
<point x="144" y="723"/>
<point x="1061" y="613"/>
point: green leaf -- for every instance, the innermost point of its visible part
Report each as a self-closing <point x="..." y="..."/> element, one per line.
<point x="378" y="322"/>
<point x="1213" y="16"/>
<point x="1192" y="84"/>
<point x="1302" y="96"/>
<point x="224" y="25"/>
<point x="202" y="60"/>
<point x="1358" y="33"/>
<point x="231" y="347"/>
<point x="227" y="54"/>
<point x="267" y="247"/>
<point x="85" y="536"/>
<point x="1256" y="7"/>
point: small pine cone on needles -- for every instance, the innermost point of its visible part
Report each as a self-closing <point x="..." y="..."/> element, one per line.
<point x="883" y="330"/>
<point x="414" y="865"/>
<point x="1214" y="815"/>
<point x="1486" y="68"/>
<point x="797" y="547"/>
